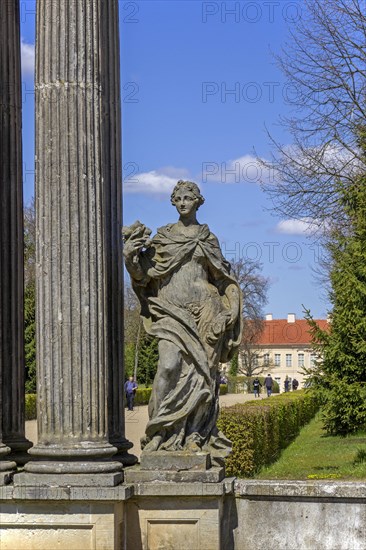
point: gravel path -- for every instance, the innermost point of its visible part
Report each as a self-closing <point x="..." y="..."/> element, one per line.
<point x="136" y="420"/>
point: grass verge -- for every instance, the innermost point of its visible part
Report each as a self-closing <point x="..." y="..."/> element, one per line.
<point x="315" y="455"/>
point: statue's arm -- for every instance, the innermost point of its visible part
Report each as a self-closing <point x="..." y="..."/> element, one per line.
<point x="232" y="293"/>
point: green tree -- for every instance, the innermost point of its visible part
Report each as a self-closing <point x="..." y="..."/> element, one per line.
<point x="30" y="297"/>
<point x="340" y="373"/>
<point x="233" y="370"/>
<point x="129" y="355"/>
<point x="30" y="338"/>
<point x="148" y="360"/>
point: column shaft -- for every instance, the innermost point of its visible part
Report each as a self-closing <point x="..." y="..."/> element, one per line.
<point x="11" y="236"/>
<point x="78" y="205"/>
<point x="113" y="166"/>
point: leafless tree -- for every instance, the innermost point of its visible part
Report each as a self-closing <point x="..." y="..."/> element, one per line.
<point x="325" y="62"/>
<point x="254" y="287"/>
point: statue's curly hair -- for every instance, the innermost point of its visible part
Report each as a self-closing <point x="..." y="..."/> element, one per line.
<point x="191" y="186"/>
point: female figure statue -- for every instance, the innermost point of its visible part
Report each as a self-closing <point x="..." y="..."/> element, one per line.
<point x="191" y="301"/>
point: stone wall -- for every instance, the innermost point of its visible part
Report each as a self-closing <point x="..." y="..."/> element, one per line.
<point x="299" y="515"/>
<point x="230" y="515"/>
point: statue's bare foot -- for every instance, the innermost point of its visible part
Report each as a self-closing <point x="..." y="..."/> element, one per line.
<point x="153" y="445"/>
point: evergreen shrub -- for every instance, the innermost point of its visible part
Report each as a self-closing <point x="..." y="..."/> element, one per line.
<point x="31" y="406"/>
<point x="142" y="396"/>
<point x="223" y="389"/>
<point x="260" y="429"/>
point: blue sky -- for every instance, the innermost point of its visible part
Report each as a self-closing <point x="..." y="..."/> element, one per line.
<point x="199" y="87"/>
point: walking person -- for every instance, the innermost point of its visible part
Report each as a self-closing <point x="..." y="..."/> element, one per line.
<point x="268" y="384"/>
<point x="287" y="384"/>
<point x="130" y="390"/>
<point x="295" y="384"/>
<point x="257" y="387"/>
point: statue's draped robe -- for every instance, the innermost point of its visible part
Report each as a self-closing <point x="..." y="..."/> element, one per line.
<point x="189" y="411"/>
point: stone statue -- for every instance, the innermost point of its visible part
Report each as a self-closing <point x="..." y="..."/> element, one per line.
<point x="191" y="301"/>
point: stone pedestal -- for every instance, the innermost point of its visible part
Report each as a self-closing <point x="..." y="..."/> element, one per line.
<point x="177" y="467"/>
<point x="175" y="461"/>
<point x="11" y="240"/>
<point x="174" y="516"/>
<point x="79" y="262"/>
<point x="75" y="518"/>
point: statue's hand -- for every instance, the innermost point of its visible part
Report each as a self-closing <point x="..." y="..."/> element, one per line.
<point x="136" y="237"/>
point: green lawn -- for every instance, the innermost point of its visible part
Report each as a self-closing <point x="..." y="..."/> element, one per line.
<point x="314" y="455"/>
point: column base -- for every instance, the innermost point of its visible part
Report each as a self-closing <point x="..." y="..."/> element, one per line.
<point x="125" y="458"/>
<point x="19" y="447"/>
<point x="65" y="479"/>
<point x="80" y="451"/>
<point x="72" y="467"/>
<point x="122" y="455"/>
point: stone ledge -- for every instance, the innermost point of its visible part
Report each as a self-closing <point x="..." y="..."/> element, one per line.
<point x="300" y="489"/>
<point x="176" y="461"/>
<point x="23" y="479"/>
<point x="26" y="492"/>
<point x="119" y="493"/>
<point x="167" y="489"/>
<point x="138" y="474"/>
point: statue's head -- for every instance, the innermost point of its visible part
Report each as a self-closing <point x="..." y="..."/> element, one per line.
<point x="189" y="186"/>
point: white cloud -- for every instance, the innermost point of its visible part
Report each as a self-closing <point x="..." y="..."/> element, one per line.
<point x="28" y="56"/>
<point x="295" y="227"/>
<point x="156" y="182"/>
<point x="245" y="169"/>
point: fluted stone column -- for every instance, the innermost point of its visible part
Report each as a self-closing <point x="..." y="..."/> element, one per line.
<point x="79" y="264"/>
<point x="11" y="239"/>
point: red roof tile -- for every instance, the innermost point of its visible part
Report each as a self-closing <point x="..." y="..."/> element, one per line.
<point x="281" y="332"/>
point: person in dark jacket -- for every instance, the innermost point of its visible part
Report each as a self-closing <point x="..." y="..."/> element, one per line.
<point x="130" y="390"/>
<point x="268" y="384"/>
<point x="256" y="387"/>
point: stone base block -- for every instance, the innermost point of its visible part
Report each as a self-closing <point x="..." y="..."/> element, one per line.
<point x="139" y="475"/>
<point x="175" y="461"/>
<point x="176" y="517"/>
<point x="68" y="480"/>
<point x="63" y="525"/>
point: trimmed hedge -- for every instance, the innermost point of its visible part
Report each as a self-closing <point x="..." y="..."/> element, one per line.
<point x="30" y="406"/>
<point x="223" y="389"/>
<point x="142" y="396"/>
<point x="260" y="429"/>
<point x="244" y="384"/>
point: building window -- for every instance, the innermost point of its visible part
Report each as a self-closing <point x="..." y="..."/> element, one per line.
<point x="277" y="359"/>
<point x="288" y="360"/>
<point x="312" y="359"/>
<point x="266" y="359"/>
<point x="255" y="360"/>
<point x="301" y="360"/>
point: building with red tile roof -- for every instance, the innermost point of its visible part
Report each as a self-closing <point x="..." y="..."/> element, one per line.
<point x="283" y="348"/>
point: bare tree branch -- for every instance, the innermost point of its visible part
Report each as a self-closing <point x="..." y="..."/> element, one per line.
<point x="325" y="62"/>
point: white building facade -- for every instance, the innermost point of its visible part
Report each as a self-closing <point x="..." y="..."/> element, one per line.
<point x="284" y="348"/>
